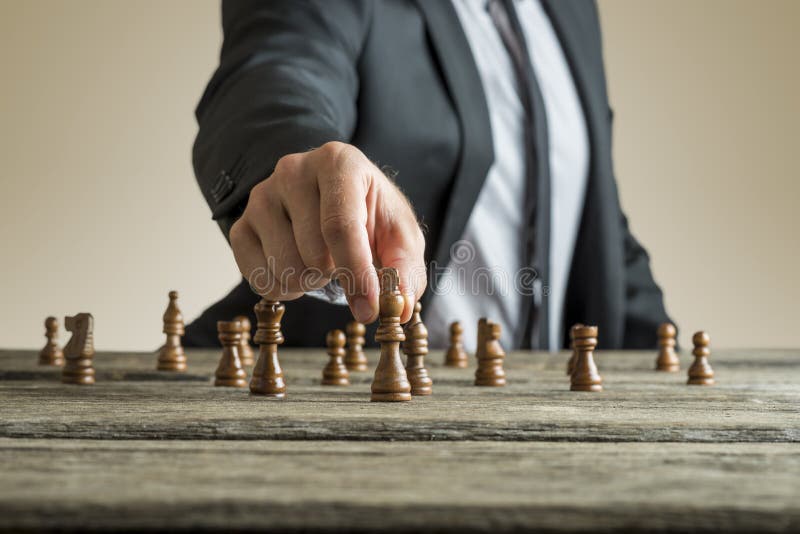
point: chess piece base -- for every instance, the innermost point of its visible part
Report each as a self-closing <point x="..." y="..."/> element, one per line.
<point x="335" y="381"/>
<point x="390" y="397"/>
<point x="80" y="379"/>
<point x="586" y="387"/>
<point x="700" y="381"/>
<point x="358" y="367"/>
<point x="668" y="368"/>
<point x="234" y="382"/>
<point x="490" y="382"/>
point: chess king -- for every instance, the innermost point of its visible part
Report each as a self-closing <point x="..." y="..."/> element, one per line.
<point x="406" y="88"/>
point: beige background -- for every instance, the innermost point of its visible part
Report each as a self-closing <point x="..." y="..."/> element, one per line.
<point x="99" y="210"/>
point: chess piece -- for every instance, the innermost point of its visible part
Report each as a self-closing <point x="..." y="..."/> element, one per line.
<point x="354" y="359"/>
<point x="171" y="356"/>
<point x="700" y="372"/>
<point x="667" y="359"/>
<point x="390" y="383"/>
<point x="79" y="350"/>
<point x="456" y="356"/>
<point x="585" y="376"/>
<point x="229" y="371"/>
<point x="490" y="355"/>
<point x="335" y="373"/>
<point x="574" y="357"/>
<point x="415" y="348"/>
<point x="245" y="350"/>
<point x="51" y="353"/>
<point x="267" y="375"/>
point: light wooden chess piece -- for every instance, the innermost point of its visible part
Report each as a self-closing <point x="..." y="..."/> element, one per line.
<point x="574" y="357"/>
<point x="700" y="372"/>
<point x="456" y="356"/>
<point x="335" y="373"/>
<point x="585" y="376"/>
<point x="267" y="377"/>
<point x="667" y="359"/>
<point x="390" y="383"/>
<point x="490" y="355"/>
<point x="415" y="348"/>
<point x="229" y="371"/>
<point x="171" y="356"/>
<point x="79" y="350"/>
<point x="245" y="350"/>
<point x="354" y="359"/>
<point x="51" y="353"/>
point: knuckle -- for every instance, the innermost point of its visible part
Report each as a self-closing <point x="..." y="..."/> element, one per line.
<point x="288" y="164"/>
<point x="337" y="227"/>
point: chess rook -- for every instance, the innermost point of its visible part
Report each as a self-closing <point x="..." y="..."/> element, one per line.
<point x="390" y="383"/>
<point x="171" y="356"/>
<point x="667" y="360"/>
<point x="245" y="350"/>
<point x="51" y="353"/>
<point x="354" y="359"/>
<point x="267" y="376"/>
<point x="335" y="372"/>
<point x="700" y="372"/>
<point x="456" y="356"/>
<point x="574" y="356"/>
<point x="490" y="355"/>
<point x="415" y="348"/>
<point x="585" y="376"/>
<point x="79" y="350"/>
<point x="229" y="371"/>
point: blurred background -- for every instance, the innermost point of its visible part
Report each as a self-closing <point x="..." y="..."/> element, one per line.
<point x="99" y="210"/>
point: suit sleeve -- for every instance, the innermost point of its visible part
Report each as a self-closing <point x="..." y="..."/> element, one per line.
<point x="287" y="82"/>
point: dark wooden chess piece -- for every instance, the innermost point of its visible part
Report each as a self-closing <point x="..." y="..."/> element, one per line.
<point x="79" y="350"/>
<point x="245" y="350"/>
<point x="667" y="360"/>
<point x="415" y="348"/>
<point x="700" y="372"/>
<point x="51" y="353"/>
<point x="574" y="356"/>
<point x="229" y="371"/>
<point x="390" y="383"/>
<point x="171" y="356"/>
<point x="585" y="376"/>
<point x="335" y="373"/>
<point x="456" y="356"/>
<point x="267" y="377"/>
<point x="490" y="355"/>
<point x="354" y="359"/>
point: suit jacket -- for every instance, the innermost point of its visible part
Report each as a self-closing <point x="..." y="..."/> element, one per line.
<point x="397" y="79"/>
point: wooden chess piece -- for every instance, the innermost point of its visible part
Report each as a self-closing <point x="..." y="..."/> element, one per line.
<point x="335" y="373"/>
<point x="245" y="350"/>
<point x="229" y="371"/>
<point x="490" y="355"/>
<point x="354" y="359"/>
<point x="79" y="350"/>
<point x="415" y="348"/>
<point x="700" y="372"/>
<point x="51" y="353"/>
<point x="574" y="357"/>
<point x="667" y="360"/>
<point x="267" y="375"/>
<point x="585" y="376"/>
<point x="456" y="356"/>
<point x="171" y="356"/>
<point x="390" y="383"/>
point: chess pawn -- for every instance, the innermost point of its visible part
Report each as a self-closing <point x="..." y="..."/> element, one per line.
<point x="700" y="372"/>
<point x="335" y="373"/>
<point x="267" y="375"/>
<point x="171" y="356"/>
<point x="667" y="359"/>
<point x="574" y="357"/>
<point x="585" y="376"/>
<point x="79" y="350"/>
<point x="456" y="356"/>
<point x="245" y="350"/>
<point x="490" y="355"/>
<point x="51" y="353"/>
<point x="354" y="359"/>
<point x="229" y="371"/>
<point x="415" y="348"/>
<point x="390" y="383"/>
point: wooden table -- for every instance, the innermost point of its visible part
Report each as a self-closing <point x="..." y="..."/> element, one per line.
<point x="148" y="450"/>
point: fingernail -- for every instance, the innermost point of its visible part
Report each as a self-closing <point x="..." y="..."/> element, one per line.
<point x="363" y="310"/>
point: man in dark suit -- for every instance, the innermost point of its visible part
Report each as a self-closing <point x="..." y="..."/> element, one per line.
<point x="494" y="116"/>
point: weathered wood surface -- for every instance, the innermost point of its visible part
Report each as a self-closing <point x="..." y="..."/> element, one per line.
<point x="757" y="399"/>
<point x="399" y="486"/>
